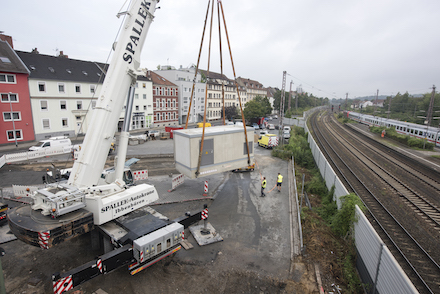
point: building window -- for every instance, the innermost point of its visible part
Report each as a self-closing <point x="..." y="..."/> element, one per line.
<point x="144" y="85"/>
<point x="64" y="122"/>
<point x="78" y="89"/>
<point x="9" y="97"/>
<point x="63" y="105"/>
<point x="41" y="86"/>
<point x="46" y="124"/>
<point x="136" y="96"/>
<point x="78" y="105"/>
<point x="43" y="105"/>
<point x="145" y="107"/>
<point x="163" y="116"/>
<point x="166" y="91"/>
<point x="4" y="78"/>
<point x="92" y="89"/>
<point x="137" y="107"/>
<point x="18" y="135"/>
<point x="174" y="103"/>
<point x="158" y="117"/>
<point x="144" y="96"/>
<point x="60" y="88"/>
<point x="7" y="116"/>
<point x="168" y="103"/>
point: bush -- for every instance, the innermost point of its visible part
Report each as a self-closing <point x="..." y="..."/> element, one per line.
<point x="345" y="217"/>
<point x="404" y="139"/>
<point x="298" y="147"/>
<point x="316" y="185"/>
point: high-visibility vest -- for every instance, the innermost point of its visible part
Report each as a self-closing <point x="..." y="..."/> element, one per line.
<point x="280" y="179"/>
<point x="263" y="184"/>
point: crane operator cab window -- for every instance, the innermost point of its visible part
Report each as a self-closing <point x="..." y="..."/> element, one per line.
<point x="128" y="177"/>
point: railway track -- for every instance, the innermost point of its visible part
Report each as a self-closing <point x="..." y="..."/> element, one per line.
<point x="362" y="178"/>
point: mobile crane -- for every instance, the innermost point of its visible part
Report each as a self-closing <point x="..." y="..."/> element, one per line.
<point x="134" y="234"/>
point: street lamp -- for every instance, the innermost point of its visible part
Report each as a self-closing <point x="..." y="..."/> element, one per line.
<point x="12" y="116"/>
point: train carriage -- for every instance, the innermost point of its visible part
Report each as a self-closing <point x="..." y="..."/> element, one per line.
<point x="419" y="131"/>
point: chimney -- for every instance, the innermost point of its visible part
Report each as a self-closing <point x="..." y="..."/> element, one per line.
<point x="7" y="39"/>
<point x="62" y="55"/>
<point x="35" y="51"/>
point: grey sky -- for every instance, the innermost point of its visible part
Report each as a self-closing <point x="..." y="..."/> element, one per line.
<point x="330" y="47"/>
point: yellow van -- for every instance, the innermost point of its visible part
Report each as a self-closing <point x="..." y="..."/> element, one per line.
<point x="200" y="125"/>
<point x="268" y="141"/>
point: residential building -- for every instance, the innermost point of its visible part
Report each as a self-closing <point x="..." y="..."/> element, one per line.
<point x="62" y="92"/>
<point x="165" y="101"/>
<point x="271" y="96"/>
<point x="253" y="88"/>
<point x="16" y="123"/>
<point x="216" y="82"/>
<point x="183" y="78"/>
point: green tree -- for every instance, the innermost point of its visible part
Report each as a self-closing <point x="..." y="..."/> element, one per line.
<point x="231" y="112"/>
<point x="264" y="101"/>
<point x="253" y="109"/>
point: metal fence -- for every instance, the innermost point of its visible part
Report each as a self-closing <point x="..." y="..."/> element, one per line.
<point x="30" y="155"/>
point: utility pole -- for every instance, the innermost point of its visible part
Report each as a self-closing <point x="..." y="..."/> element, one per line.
<point x="290" y="93"/>
<point x="346" y="101"/>
<point x="431" y="106"/>
<point x="375" y="105"/>
<point x="283" y="95"/>
<point x="389" y="107"/>
<point x="296" y="100"/>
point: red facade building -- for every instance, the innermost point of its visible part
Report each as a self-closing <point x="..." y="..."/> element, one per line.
<point x="15" y="107"/>
<point x="165" y="101"/>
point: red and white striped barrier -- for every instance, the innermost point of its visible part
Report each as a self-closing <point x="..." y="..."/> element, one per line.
<point x="204" y="213"/>
<point x="140" y="175"/>
<point x="62" y="285"/>
<point x="43" y="238"/>
<point x="205" y="189"/>
<point x="99" y="265"/>
<point x="177" y="181"/>
<point x="142" y="256"/>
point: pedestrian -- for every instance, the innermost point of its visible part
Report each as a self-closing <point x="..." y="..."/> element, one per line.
<point x="263" y="186"/>
<point x="279" y="182"/>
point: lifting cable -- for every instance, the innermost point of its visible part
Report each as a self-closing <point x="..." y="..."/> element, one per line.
<point x="236" y="84"/>
<point x="206" y="93"/>
<point x="219" y="9"/>
<point x="197" y="70"/>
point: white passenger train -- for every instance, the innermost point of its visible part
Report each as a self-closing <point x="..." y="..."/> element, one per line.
<point x="430" y="133"/>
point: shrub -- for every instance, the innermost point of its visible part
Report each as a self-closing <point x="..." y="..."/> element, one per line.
<point x="345" y="217"/>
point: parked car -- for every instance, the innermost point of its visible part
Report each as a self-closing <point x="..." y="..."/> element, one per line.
<point x="256" y="126"/>
<point x="286" y="134"/>
<point x="271" y="127"/>
<point x="263" y="132"/>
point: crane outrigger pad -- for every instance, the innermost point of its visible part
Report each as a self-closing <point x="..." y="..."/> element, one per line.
<point x="33" y="228"/>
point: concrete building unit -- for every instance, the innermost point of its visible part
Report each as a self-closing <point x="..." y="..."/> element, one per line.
<point x="224" y="149"/>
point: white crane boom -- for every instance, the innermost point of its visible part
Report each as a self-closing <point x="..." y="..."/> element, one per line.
<point x="121" y="74"/>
